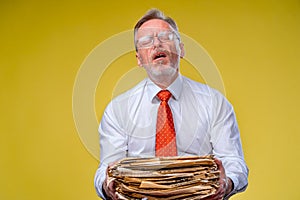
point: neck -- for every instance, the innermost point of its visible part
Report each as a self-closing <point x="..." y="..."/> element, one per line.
<point x="164" y="82"/>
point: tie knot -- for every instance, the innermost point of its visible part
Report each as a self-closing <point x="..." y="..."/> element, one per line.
<point x="164" y="95"/>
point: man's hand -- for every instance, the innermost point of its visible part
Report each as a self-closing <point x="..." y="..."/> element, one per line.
<point x="225" y="183"/>
<point x="109" y="187"/>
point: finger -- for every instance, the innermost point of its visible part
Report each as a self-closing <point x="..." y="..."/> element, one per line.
<point x="220" y="165"/>
<point x="217" y="196"/>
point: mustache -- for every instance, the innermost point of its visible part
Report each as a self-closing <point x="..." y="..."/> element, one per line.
<point x="163" y="51"/>
<point x="160" y="51"/>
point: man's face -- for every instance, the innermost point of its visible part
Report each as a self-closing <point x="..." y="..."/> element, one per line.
<point x="159" y="50"/>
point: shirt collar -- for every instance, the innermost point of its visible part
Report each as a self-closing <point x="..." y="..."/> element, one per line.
<point x="175" y="88"/>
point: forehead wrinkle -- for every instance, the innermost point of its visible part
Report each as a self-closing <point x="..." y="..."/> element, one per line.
<point x="154" y="26"/>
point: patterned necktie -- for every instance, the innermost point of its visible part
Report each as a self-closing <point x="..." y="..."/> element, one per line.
<point x="165" y="132"/>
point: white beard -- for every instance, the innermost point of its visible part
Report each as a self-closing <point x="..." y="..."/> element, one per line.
<point x="161" y="74"/>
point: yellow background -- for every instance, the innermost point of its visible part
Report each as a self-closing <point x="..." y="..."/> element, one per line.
<point x="255" y="44"/>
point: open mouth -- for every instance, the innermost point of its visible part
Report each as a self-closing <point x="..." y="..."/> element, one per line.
<point x="159" y="55"/>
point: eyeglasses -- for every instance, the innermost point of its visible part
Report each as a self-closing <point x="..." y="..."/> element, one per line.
<point x="148" y="40"/>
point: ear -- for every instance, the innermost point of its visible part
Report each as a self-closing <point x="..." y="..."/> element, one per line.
<point x="138" y="59"/>
<point x="182" y="51"/>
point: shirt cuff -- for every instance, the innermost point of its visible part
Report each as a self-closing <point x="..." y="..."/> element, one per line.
<point x="234" y="189"/>
<point x="99" y="180"/>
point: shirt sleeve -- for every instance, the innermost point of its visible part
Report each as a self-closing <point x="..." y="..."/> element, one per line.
<point x="226" y="143"/>
<point x="113" y="144"/>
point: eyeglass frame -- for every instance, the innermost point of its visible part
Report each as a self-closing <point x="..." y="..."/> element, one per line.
<point x="177" y="36"/>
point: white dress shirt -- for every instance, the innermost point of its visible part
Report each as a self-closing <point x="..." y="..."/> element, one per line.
<point x="204" y="122"/>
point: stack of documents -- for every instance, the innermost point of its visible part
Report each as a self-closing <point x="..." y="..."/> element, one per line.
<point x="190" y="177"/>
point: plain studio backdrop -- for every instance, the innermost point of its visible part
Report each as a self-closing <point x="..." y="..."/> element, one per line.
<point x="255" y="46"/>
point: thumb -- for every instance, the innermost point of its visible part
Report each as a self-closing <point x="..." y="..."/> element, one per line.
<point x="220" y="167"/>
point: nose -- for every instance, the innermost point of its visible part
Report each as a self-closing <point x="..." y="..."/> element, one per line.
<point x="156" y="41"/>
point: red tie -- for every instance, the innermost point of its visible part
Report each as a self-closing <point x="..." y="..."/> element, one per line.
<point x="165" y="132"/>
